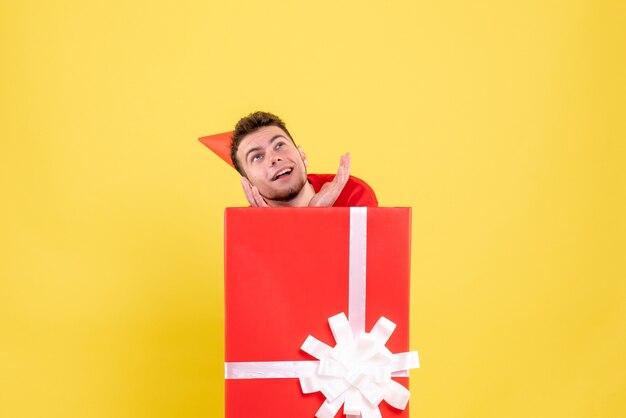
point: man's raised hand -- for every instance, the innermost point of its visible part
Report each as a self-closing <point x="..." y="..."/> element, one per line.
<point x="331" y="190"/>
<point x="252" y="194"/>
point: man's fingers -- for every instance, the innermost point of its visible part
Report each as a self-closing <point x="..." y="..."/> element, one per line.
<point x="329" y="192"/>
<point x="260" y="202"/>
<point x="247" y="190"/>
<point x="252" y="194"/>
<point x="343" y="173"/>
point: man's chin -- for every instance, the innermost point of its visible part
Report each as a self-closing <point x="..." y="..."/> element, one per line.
<point x="285" y="195"/>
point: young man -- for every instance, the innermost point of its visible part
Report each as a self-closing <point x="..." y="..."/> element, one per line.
<point x="274" y="173"/>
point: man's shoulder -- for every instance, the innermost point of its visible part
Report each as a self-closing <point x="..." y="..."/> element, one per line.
<point x="356" y="192"/>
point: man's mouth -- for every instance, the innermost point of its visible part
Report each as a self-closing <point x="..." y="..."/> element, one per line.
<point x="282" y="173"/>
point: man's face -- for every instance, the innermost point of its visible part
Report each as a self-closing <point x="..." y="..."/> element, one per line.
<point x="272" y="163"/>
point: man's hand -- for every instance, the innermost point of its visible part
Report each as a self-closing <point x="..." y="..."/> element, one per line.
<point x="252" y="194"/>
<point x="331" y="191"/>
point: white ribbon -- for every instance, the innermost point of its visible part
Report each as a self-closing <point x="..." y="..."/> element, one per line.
<point x="357" y="372"/>
<point x="357" y="269"/>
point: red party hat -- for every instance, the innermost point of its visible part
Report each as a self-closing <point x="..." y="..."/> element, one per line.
<point x="220" y="145"/>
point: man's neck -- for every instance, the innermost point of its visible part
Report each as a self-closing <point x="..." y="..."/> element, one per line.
<point x="302" y="199"/>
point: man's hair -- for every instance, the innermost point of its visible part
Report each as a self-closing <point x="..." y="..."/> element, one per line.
<point x="248" y="125"/>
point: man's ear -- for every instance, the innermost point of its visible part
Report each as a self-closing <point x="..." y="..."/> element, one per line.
<point x="303" y="155"/>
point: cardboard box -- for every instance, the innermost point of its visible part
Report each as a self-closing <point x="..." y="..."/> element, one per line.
<point x="286" y="273"/>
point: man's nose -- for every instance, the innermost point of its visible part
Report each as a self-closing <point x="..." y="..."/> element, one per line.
<point x="273" y="158"/>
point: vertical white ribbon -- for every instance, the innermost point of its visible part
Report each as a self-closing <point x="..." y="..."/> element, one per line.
<point x="357" y="269"/>
<point x="357" y="272"/>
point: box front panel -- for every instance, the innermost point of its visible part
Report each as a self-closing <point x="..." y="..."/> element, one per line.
<point x="286" y="274"/>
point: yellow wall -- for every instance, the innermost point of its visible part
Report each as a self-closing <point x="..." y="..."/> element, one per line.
<point x="502" y="125"/>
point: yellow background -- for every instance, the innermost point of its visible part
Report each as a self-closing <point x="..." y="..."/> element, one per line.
<point x="501" y="124"/>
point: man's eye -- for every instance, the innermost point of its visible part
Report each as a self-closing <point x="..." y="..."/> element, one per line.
<point x="279" y="145"/>
<point x="257" y="157"/>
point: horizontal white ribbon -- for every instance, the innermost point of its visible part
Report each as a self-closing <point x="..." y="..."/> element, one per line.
<point x="270" y="369"/>
<point x="278" y="369"/>
<point x="357" y="372"/>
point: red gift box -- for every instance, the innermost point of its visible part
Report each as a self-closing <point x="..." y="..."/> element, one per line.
<point x="287" y="270"/>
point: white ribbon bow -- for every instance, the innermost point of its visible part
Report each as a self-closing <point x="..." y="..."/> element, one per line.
<point x="356" y="373"/>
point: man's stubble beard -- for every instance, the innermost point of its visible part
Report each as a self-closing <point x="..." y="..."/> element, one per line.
<point x="287" y="195"/>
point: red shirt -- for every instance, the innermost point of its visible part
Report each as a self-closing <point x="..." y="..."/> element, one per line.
<point x="356" y="192"/>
